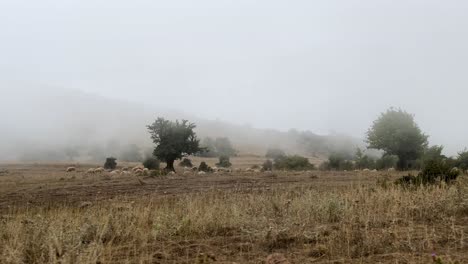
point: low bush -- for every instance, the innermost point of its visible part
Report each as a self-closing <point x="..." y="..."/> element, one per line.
<point x="186" y="163"/>
<point x="151" y="163"/>
<point x="110" y="163"/>
<point x="224" y="162"/>
<point x="204" y="167"/>
<point x="293" y="163"/>
<point x="275" y="153"/>
<point x="267" y="165"/>
<point x="338" y="161"/>
<point x="434" y="171"/>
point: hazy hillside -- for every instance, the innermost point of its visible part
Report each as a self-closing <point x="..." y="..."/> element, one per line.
<point x="46" y="124"/>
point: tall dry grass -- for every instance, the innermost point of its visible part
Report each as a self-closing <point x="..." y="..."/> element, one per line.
<point x="362" y="224"/>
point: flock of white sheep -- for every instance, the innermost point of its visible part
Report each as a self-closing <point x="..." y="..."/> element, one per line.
<point x="141" y="171"/>
<point x="138" y="170"/>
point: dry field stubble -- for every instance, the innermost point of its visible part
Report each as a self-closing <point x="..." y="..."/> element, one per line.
<point x="48" y="216"/>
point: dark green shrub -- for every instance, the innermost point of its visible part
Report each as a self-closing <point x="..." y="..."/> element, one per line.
<point x="151" y="163"/>
<point x="267" y="165"/>
<point x="110" y="164"/>
<point x="186" y="163"/>
<point x="434" y="171"/>
<point x="204" y="167"/>
<point x="224" y="162"/>
<point x="337" y="161"/>
<point x="438" y="170"/>
<point x="462" y="160"/>
<point x="293" y="163"/>
<point x="275" y="153"/>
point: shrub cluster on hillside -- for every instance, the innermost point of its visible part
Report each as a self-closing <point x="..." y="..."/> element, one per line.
<point x="217" y="147"/>
<point x="294" y="162"/>
<point x="275" y="153"/>
<point x="435" y="171"/>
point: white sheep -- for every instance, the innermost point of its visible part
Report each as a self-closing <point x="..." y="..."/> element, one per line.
<point x="99" y="170"/>
<point x="70" y="169"/>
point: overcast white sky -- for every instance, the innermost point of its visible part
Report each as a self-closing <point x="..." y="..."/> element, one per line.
<point x="320" y="65"/>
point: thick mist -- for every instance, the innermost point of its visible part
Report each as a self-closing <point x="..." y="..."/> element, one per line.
<point x="329" y="67"/>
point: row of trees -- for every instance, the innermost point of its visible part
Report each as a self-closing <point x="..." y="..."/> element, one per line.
<point x="394" y="132"/>
<point x="403" y="143"/>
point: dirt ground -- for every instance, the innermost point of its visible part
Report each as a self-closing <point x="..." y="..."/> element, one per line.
<point x="43" y="184"/>
<point x="309" y="216"/>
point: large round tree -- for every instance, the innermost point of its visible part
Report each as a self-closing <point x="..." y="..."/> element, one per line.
<point x="396" y="133"/>
<point x="173" y="140"/>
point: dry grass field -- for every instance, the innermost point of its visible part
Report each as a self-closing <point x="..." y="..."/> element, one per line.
<point x="50" y="216"/>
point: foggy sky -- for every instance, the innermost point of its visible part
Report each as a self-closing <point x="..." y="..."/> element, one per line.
<point x="317" y="65"/>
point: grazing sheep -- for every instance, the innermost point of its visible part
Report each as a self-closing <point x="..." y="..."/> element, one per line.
<point x="137" y="168"/>
<point x="90" y="171"/>
<point x="366" y="170"/>
<point x="187" y="172"/>
<point x="116" y="172"/>
<point x="125" y="169"/>
<point x="391" y="169"/>
<point x="70" y="169"/>
<point x="201" y="173"/>
<point x="138" y="171"/>
<point x="99" y="170"/>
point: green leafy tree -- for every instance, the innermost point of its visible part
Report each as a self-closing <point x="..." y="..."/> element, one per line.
<point x="396" y="133"/>
<point x="462" y="160"/>
<point x="173" y="140"/>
